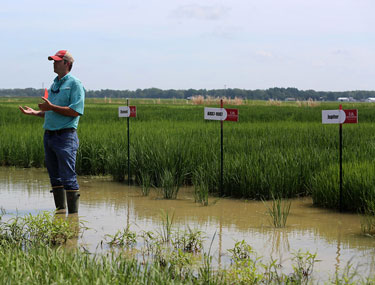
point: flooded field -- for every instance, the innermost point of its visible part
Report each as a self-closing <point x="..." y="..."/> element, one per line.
<point x="107" y="206"/>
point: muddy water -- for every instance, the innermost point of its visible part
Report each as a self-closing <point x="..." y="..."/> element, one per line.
<point x="106" y="207"/>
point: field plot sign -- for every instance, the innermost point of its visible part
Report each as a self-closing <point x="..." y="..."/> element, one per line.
<point x="128" y="112"/>
<point x="340" y="117"/>
<point x="221" y="114"/>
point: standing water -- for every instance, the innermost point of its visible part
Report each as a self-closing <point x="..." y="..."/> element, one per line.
<point x="106" y="207"/>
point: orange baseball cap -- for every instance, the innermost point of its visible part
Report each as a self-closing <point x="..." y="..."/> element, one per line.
<point x="62" y="55"/>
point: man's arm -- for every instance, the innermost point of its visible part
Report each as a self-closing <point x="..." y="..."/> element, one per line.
<point x="65" y="111"/>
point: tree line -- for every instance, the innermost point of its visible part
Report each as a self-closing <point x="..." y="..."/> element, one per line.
<point x="258" y="94"/>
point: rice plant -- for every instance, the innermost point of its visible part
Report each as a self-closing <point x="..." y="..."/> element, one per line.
<point x="368" y="219"/>
<point x="165" y="231"/>
<point x="145" y="183"/>
<point x="278" y="211"/>
<point x="169" y="185"/>
<point x="201" y="187"/>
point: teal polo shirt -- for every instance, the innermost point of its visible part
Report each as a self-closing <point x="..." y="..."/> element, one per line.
<point x="66" y="92"/>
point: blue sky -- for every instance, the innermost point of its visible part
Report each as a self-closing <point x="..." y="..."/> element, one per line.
<point x="308" y="44"/>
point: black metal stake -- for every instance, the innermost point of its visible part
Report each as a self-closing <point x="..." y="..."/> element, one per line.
<point x="340" y="132"/>
<point x="222" y="156"/>
<point x="129" y="176"/>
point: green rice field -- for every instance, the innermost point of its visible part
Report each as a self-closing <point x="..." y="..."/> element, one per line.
<point x="277" y="149"/>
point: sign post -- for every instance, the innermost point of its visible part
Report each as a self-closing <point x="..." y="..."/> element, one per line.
<point x="127" y="112"/>
<point x="221" y="114"/>
<point x="127" y="104"/>
<point x="222" y="153"/>
<point x="340" y="137"/>
<point x="340" y="117"/>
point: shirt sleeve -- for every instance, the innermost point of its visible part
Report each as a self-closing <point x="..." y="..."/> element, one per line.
<point x="77" y="97"/>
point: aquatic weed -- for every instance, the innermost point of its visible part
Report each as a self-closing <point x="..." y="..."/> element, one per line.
<point x="44" y="227"/>
<point x="190" y="240"/>
<point x="126" y="238"/>
<point x="303" y="266"/>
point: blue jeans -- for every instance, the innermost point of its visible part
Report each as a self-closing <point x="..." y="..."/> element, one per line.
<point x="60" y="158"/>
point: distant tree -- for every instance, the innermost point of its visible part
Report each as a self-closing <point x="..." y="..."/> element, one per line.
<point x="275" y="93"/>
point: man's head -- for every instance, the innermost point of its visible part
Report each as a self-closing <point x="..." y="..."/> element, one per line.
<point x="63" y="62"/>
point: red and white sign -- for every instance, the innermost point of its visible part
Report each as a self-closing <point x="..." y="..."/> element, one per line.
<point x="340" y="116"/>
<point x="221" y="114"/>
<point x="351" y="116"/>
<point x="127" y="111"/>
<point x="232" y="115"/>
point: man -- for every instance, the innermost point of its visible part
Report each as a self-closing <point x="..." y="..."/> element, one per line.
<point x="61" y="112"/>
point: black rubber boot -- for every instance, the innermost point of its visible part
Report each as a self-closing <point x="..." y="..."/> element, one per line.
<point x="72" y="197"/>
<point x="59" y="197"/>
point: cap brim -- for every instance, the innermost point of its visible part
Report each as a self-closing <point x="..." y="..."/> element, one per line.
<point x="55" y="58"/>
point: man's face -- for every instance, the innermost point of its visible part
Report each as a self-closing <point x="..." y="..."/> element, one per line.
<point x="59" y="66"/>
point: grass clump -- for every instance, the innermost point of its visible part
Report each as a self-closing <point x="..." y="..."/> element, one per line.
<point x="368" y="220"/>
<point x="248" y="268"/>
<point x="201" y="186"/>
<point x="170" y="185"/>
<point x="43" y="228"/>
<point x="145" y="182"/>
<point x="278" y="211"/>
<point x="124" y="238"/>
<point x="189" y="241"/>
<point x="166" y="231"/>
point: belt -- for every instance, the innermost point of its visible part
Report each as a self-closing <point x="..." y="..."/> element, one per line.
<point x="59" y="132"/>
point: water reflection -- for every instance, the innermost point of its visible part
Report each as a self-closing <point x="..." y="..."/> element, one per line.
<point x="107" y="206"/>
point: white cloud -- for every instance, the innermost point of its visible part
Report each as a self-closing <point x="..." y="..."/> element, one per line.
<point x="340" y="52"/>
<point x="199" y="12"/>
<point x="265" y="54"/>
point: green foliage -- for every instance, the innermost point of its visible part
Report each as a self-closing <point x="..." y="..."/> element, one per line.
<point x="368" y="219"/>
<point x="246" y="265"/>
<point x="303" y="267"/>
<point x="169" y="185"/>
<point x="281" y="149"/>
<point x="278" y="211"/>
<point x="26" y="247"/>
<point x="165" y="232"/>
<point x="190" y="240"/>
<point x="248" y="268"/>
<point x="42" y="228"/>
<point x="124" y="238"/>
<point x="201" y="186"/>
<point x="145" y="182"/>
<point x="358" y="190"/>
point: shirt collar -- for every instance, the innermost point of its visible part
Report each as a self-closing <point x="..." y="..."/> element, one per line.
<point x="62" y="80"/>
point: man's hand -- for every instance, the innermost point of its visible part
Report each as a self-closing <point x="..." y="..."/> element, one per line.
<point x="46" y="105"/>
<point x="27" y="110"/>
